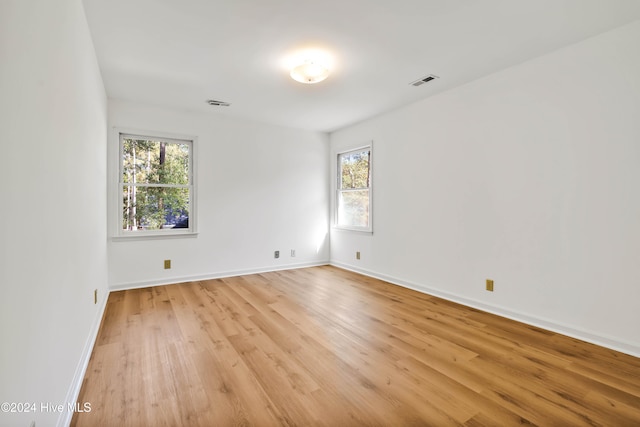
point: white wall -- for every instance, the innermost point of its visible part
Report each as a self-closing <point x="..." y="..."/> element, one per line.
<point x="529" y="177"/>
<point x="261" y="188"/>
<point x="53" y="213"/>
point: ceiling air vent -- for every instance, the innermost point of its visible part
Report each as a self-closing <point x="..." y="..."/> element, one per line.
<point x="424" y="80"/>
<point x="217" y="103"/>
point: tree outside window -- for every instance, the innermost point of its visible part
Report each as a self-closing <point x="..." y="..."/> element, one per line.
<point x="156" y="183"/>
<point x="354" y="190"/>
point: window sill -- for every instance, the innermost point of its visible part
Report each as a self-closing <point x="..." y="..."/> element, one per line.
<point x="153" y="236"/>
<point x="353" y="229"/>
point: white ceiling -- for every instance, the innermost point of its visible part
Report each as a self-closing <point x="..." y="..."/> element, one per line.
<point x="178" y="54"/>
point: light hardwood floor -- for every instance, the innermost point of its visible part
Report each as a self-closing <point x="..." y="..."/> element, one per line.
<point x="324" y="346"/>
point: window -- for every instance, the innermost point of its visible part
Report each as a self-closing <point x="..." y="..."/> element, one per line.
<point x="156" y="185"/>
<point x="354" y="190"/>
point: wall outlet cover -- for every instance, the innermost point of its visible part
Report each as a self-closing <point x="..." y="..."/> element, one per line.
<point x="489" y="286"/>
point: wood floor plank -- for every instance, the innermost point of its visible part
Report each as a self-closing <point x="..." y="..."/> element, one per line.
<point x="323" y="346"/>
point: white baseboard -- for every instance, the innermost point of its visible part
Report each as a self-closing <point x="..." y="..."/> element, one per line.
<point x="76" y="384"/>
<point x="603" y="341"/>
<point x="216" y="275"/>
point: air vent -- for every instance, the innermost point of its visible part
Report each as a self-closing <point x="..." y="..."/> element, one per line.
<point x="217" y="103"/>
<point x="424" y="80"/>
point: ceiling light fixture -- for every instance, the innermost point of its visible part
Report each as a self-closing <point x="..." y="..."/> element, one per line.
<point x="309" y="72"/>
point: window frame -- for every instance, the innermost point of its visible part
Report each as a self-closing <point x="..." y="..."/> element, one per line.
<point x="339" y="191"/>
<point x="118" y="182"/>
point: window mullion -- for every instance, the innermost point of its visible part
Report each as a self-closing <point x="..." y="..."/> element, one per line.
<point x="346" y="190"/>
<point x="137" y="184"/>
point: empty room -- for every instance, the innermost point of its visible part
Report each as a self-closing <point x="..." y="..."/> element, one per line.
<point x="337" y="213"/>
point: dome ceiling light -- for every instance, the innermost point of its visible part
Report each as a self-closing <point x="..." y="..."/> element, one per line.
<point x="309" y="64"/>
<point x="309" y="72"/>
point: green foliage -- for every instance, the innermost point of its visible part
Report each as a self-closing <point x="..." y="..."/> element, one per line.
<point x="355" y="170"/>
<point x="355" y="175"/>
<point x="156" y="183"/>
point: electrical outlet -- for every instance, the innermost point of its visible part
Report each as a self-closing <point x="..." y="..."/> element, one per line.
<point x="358" y="255"/>
<point x="293" y="252"/>
<point x="95" y="296"/>
<point x="276" y="254"/>
<point x="490" y="285"/>
<point x="167" y="264"/>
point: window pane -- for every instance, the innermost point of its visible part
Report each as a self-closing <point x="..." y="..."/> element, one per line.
<point x="154" y="162"/>
<point x="353" y="208"/>
<point x="354" y="169"/>
<point x="154" y="208"/>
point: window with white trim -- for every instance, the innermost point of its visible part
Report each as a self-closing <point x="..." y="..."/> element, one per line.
<point x="156" y="185"/>
<point x="353" y="196"/>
